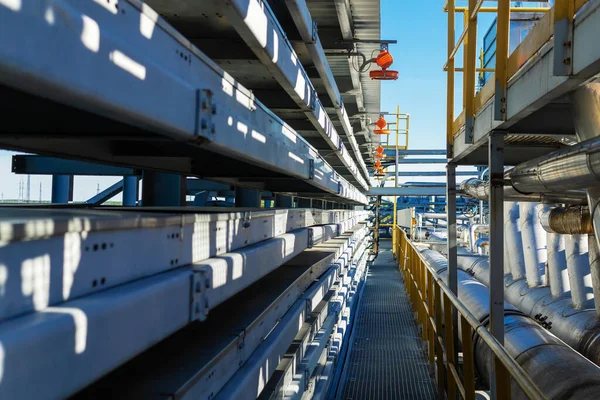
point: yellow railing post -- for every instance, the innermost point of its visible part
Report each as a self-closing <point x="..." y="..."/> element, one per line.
<point x="501" y="75"/>
<point x="470" y="75"/>
<point x="450" y="80"/>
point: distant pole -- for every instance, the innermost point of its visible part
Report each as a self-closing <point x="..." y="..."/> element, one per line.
<point x="40" y="192"/>
<point x="97" y="188"/>
<point x="28" y="195"/>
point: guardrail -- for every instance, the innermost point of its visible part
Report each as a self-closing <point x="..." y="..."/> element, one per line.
<point x="557" y="23"/>
<point x="435" y="305"/>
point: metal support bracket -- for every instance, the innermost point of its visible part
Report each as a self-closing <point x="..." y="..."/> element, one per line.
<point x="198" y="303"/>
<point x="311" y="169"/>
<point x="315" y="32"/>
<point x="310" y="238"/>
<point x="204" y="113"/>
<point x="564" y="11"/>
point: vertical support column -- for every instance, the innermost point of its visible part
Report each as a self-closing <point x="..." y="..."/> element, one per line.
<point x="61" y="189"/>
<point x="450" y="81"/>
<point x="496" y="169"/>
<point x="500" y="75"/>
<point x="267" y="203"/>
<point x="452" y="249"/>
<point x="163" y="189"/>
<point x="284" y="201"/>
<point x="247" y="197"/>
<point x="130" y="191"/>
<point x="469" y="72"/>
<point x="564" y="11"/>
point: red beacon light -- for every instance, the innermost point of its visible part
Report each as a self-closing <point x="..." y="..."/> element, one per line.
<point x="384" y="60"/>
<point x="381" y="124"/>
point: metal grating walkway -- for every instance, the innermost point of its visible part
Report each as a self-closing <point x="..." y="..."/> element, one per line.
<point x="386" y="359"/>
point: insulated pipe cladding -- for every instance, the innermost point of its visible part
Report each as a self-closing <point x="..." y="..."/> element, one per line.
<point x="579" y="329"/>
<point x="558" y="370"/>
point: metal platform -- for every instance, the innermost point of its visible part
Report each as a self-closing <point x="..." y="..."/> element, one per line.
<point x="386" y="358"/>
<point x="539" y="114"/>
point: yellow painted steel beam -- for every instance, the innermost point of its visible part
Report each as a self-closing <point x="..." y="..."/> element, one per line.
<point x="450" y="81"/>
<point x="512" y="9"/>
<point x="470" y="69"/>
<point x="501" y="73"/>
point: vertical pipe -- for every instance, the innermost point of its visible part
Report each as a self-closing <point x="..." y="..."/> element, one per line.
<point x="130" y="191"/>
<point x="247" y="197"/>
<point x="534" y="243"/>
<point x="558" y="279"/>
<point x="594" y="254"/>
<point x="580" y="280"/>
<point x="61" y="188"/>
<point x="496" y="168"/>
<point x="282" y="201"/>
<point x="162" y="189"/>
<point x="514" y="245"/>
<point x="586" y="117"/>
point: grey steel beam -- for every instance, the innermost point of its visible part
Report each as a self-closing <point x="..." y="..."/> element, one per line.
<point x="41" y="165"/>
<point x="404" y="153"/>
<point x="408" y="191"/>
<point x="108" y="194"/>
<point x="451" y="241"/>
<point x="211" y="111"/>
<point x="276" y="52"/>
<point x="422" y="161"/>
<point x="437" y="173"/>
<point x="308" y="30"/>
<point x="496" y="171"/>
<point x="130" y="190"/>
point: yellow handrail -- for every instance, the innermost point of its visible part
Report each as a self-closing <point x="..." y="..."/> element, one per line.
<point x="434" y="304"/>
<point x="506" y="66"/>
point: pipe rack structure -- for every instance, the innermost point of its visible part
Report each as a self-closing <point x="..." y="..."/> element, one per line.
<point x="241" y="240"/>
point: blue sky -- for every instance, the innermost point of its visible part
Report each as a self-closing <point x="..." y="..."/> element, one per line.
<point x="421" y="30"/>
<point x="419" y="27"/>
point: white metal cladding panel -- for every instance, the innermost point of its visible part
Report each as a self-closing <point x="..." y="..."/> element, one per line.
<point x="62" y="349"/>
<point x="50" y="265"/>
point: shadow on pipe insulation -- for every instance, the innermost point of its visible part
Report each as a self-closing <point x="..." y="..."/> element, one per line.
<point x="558" y="370"/>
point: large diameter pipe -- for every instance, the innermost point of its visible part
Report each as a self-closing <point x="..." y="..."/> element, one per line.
<point x="513" y="251"/>
<point x="594" y="253"/>
<point x="567" y="220"/>
<point x="580" y="329"/>
<point x="479" y="189"/>
<point x="558" y="278"/>
<point x="586" y="118"/>
<point x="578" y="266"/>
<point x="558" y="370"/>
<point x="534" y="243"/>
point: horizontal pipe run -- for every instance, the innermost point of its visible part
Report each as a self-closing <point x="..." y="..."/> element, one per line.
<point x="479" y="190"/>
<point x="580" y="329"/>
<point x="567" y="220"/>
<point x="558" y="370"/>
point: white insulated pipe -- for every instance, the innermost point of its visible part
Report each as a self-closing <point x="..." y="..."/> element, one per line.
<point x="513" y="250"/>
<point x="557" y="274"/>
<point x="578" y="266"/>
<point x="473" y="229"/>
<point x="594" y="255"/>
<point x="534" y="243"/>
